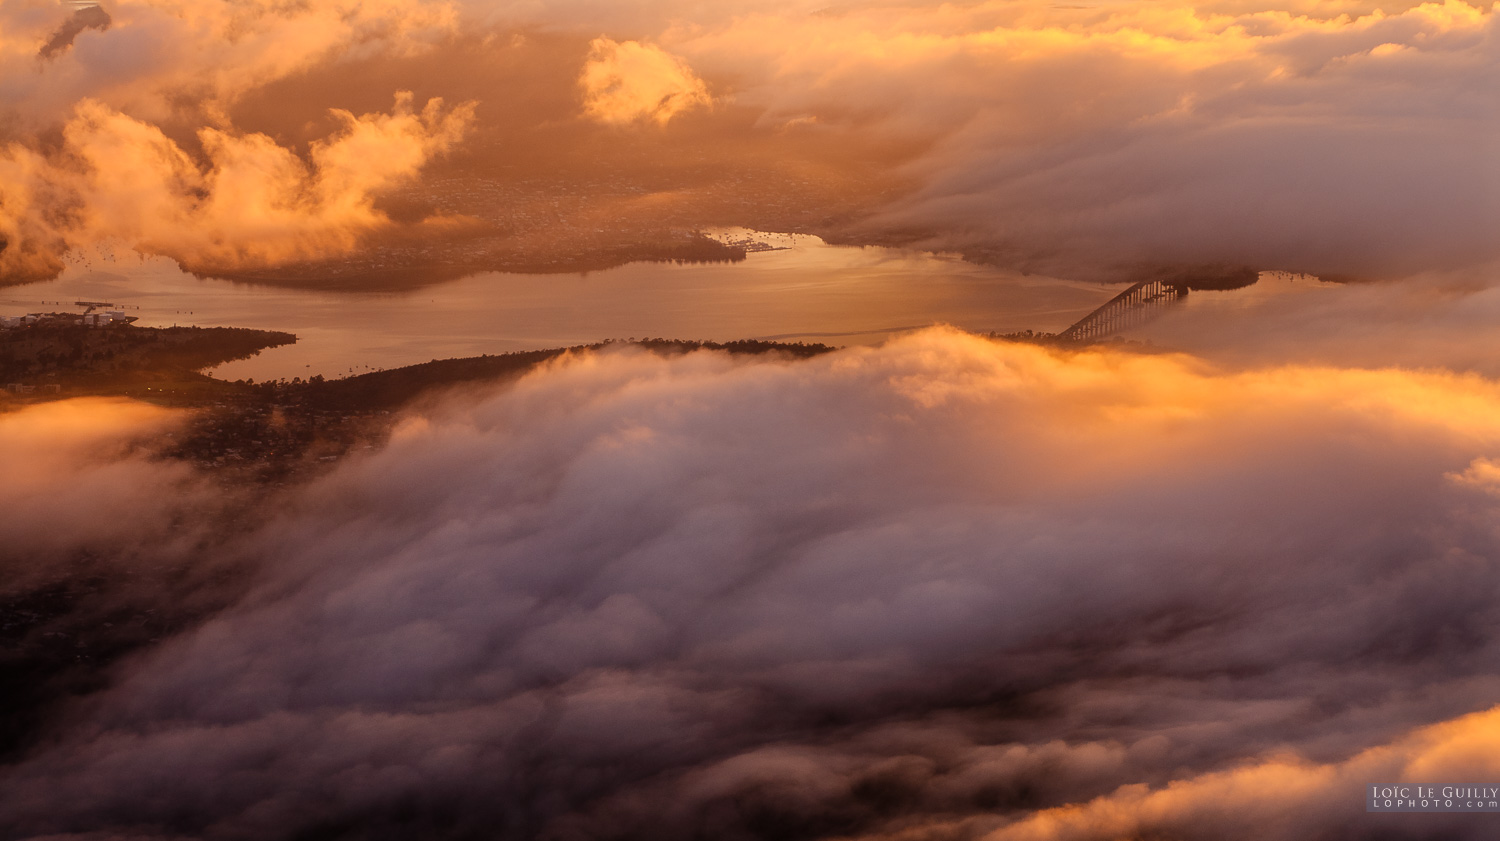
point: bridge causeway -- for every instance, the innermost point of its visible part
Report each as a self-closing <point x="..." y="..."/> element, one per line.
<point x="1135" y="306"/>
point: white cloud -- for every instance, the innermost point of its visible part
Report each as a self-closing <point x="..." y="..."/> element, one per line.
<point x="655" y="587"/>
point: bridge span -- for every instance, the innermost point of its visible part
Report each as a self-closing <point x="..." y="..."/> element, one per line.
<point x="1140" y="303"/>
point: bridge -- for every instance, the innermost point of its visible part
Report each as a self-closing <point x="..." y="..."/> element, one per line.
<point x="1135" y="306"/>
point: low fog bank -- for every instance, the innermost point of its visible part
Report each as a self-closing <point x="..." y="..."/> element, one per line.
<point x="1437" y="320"/>
<point x="943" y="588"/>
<point x="105" y="548"/>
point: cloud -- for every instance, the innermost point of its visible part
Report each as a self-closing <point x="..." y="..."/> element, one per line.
<point x="88" y="17"/>
<point x="1132" y="135"/>
<point x="1482" y="473"/>
<point x="159" y="56"/>
<point x="80" y="477"/>
<point x="944" y="582"/>
<point x="1287" y="798"/>
<point x="1108" y="141"/>
<point x="632" y="82"/>
<point x="254" y="202"/>
<point x="72" y="474"/>
<point x="128" y="96"/>
<point x="1432" y="320"/>
<point x="31" y="210"/>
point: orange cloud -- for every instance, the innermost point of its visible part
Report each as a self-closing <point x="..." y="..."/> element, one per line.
<point x="29" y="203"/>
<point x="1065" y="139"/>
<point x="632" y="82"/>
<point x="161" y="55"/>
<point x="254" y="202"/>
<point x="76" y="477"/>
<point x="1278" y="798"/>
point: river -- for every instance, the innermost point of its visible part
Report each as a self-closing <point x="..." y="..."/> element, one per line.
<point x="806" y="290"/>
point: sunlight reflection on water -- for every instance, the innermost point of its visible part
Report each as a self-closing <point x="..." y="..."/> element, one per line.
<point x="808" y="291"/>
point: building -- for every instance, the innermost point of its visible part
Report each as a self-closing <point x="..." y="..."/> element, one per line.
<point x="106" y="318"/>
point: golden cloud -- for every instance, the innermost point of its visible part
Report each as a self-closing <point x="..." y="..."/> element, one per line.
<point x="1280" y="797"/>
<point x="633" y="82"/>
<point x="254" y="201"/>
<point x="78" y="476"/>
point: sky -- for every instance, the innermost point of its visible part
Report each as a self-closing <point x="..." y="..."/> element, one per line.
<point x="942" y="588"/>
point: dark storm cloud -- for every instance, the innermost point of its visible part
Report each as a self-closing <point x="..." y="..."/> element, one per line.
<point x="938" y="585"/>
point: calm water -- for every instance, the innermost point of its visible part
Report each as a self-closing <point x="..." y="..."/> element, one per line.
<point x="809" y="291"/>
